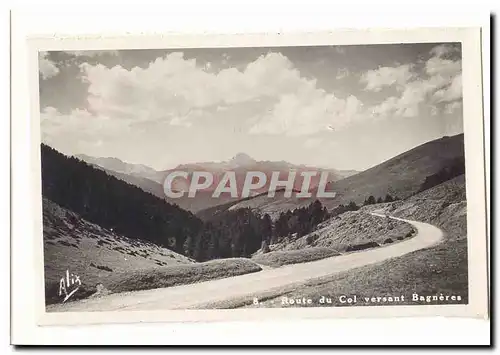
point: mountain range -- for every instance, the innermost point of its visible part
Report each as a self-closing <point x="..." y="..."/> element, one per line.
<point x="401" y="177"/>
<point x="151" y="180"/>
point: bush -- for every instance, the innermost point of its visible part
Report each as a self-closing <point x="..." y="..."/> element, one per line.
<point x="388" y="241"/>
<point x="311" y="238"/>
<point x="105" y="268"/>
<point x="362" y="246"/>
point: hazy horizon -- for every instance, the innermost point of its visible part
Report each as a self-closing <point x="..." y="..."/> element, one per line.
<point x="222" y="161"/>
<point x="338" y="107"/>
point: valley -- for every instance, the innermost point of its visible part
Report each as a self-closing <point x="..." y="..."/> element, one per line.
<point x="387" y="231"/>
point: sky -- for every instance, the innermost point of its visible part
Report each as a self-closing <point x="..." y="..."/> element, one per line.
<point x="342" y="107"/>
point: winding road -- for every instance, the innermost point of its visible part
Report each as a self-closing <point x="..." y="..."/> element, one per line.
<point x="252" y="285"/>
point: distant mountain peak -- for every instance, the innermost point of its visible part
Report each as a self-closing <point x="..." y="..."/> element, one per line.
<point x="242" y="159"/>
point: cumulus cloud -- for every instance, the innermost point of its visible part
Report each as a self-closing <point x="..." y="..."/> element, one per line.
<point x="46" y="67"/>
<point x="82" y="131"/>
<point x="446" y="49"/>
<point x="342" y="73"/>
<point x="269" y="95"/>
<point x="375" y="80"/>
<point x="173" y="92"/>
<point x="308" y="111"/>
<point x="172" y="89"/>
<point x="56" y="125"/>
<point x="444" y="67"/>
<point x="452" y="92"/>
<point x="434" y="111"/>
<point x="452" y="107"/>
<point x="174" y="85"/>
<point x="439" y="81"/>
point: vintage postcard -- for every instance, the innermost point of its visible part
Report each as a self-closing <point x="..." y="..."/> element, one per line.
<point x="244" y="177"/>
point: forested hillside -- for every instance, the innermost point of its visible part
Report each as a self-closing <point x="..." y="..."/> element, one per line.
<point x="127" y="210"/>
<point x="112" y="203"/>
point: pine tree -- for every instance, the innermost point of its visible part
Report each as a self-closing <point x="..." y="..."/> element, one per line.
<point x="267" y="227"/>
<point x="352" y="206"/>
<point x="370" y="201"/>
<point x="265" y="247"/>
<point x="317" y="213"/>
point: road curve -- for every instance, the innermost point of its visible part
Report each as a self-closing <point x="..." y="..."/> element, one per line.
<point x="251" y="285"/>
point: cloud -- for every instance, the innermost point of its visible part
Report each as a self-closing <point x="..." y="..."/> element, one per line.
<point x="312" y="142"/>
<point x="375" y="80"/>
<point x="59" y="130"/>
<point x="434" y="111"/>
<point x="439" y="81"/>
<point x="171" y="88"/>
<point x="174" y="85"/>
<point x="444" y="67"/>
<point x="181" y="121"/>
<point x="46" y="67"/>
<point x="307" y="112"/>
<point x="446" y="49"/>
<point x="172" y="93"/>
<point x="82" y="131"/>
<point x="452" y="107"/>
<point x="342" y="73"/>
<point x="452" y="92"/>
<point x="267" y="96"/>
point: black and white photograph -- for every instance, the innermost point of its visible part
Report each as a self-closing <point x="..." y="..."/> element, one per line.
<point x="242" y="181"/>
<point x="262" y="177"/>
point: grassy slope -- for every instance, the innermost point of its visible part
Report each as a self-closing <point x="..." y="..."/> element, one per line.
<point x="94" y="253"/>
<point x="217" y="211"/>
<point x="253" y="202"/>
<point x="120" y="264"/>
<point x="180" y="275"/>
<point x="280" y="258"/>
<point x="349" y="229"/>
<point x="438" y="270"/>
<point x="399" y="176"/>
<point x="335" y="236"/>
